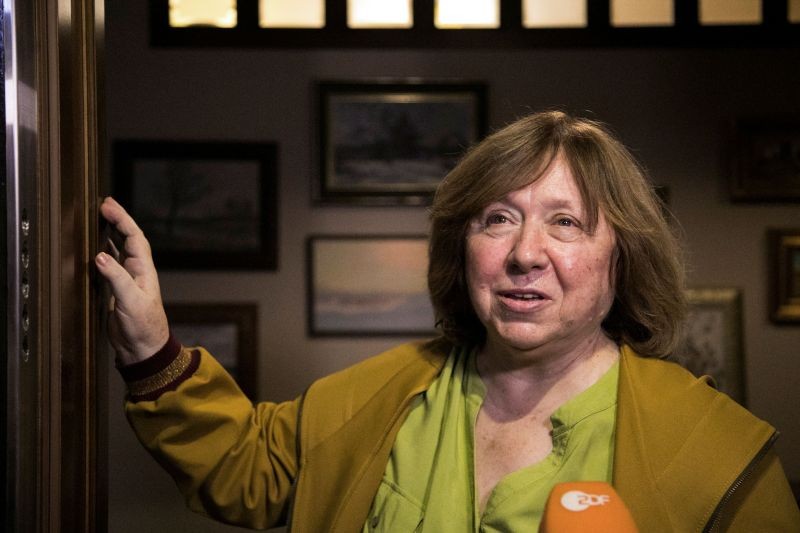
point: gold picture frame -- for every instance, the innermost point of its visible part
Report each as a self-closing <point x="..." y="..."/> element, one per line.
<point x="784" y="246"/>
<point x="712" y="340"/>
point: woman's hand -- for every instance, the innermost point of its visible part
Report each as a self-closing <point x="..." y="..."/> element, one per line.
<point x="137" y="324"/>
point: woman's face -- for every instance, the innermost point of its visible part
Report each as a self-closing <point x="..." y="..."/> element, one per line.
<point x="536" y="276"/>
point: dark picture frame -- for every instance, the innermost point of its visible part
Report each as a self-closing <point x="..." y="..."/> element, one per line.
<point x="767" y="160"/>
<point x="229" y="331"/>
<point x="203" y="205"/>
<point x="784" y="268"/>
<point x="368" y="285"/>
<point x="712" y="342"/>
<point x="391" y="142"/>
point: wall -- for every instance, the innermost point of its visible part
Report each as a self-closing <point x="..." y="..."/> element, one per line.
<point x="672" y="107"/>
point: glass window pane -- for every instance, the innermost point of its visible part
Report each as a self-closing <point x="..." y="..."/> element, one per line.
<point x="467" y="14"/>
<point x="642" y="12"/>
<point x="730" y="12"/>
<point x="219" y="13"/>
<point x="554" y="13"/>
<point x="379" y="14"/>
<point x="794" y="10"/>
<point x="291" y="13"/>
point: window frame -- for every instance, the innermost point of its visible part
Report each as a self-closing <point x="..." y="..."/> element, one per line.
<point x="774" y="31"/>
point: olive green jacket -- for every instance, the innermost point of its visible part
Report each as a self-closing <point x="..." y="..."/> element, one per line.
<point x="687" y="458"/>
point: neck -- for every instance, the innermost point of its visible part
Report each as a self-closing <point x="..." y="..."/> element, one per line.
<point x="521" y="382"/>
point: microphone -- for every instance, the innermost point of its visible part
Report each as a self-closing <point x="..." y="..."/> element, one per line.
<point x="581" y="506"/>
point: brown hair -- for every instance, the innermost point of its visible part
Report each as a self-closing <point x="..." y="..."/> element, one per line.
<point x="648" y="273"/>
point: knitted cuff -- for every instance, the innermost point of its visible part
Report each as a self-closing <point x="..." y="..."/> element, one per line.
<point x="164" y="371"/>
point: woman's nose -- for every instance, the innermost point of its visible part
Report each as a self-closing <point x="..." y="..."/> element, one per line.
<point x="529" y="251"/>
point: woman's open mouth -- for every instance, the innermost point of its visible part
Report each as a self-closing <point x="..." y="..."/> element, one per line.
<point x="522" y="300"/>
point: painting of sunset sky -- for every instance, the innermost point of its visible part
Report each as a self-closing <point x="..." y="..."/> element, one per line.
<point x="370" y="286"/>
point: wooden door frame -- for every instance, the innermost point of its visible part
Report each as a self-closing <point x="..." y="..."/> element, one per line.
<point x="57" y="394"/>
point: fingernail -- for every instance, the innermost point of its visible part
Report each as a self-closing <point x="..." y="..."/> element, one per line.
<point x="102" y="258"/>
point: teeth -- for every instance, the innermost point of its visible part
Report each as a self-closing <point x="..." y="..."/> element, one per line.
<point x="526" y="296"/>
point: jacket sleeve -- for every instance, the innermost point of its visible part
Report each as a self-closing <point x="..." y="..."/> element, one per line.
<point x="763" y="503"/>
<point x="233" y="461"/>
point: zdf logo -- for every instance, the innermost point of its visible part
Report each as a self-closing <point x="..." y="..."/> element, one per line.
<point x="576" y="500"/>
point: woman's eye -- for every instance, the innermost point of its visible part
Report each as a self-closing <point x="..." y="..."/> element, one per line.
<point x="567" y="222"/>
<point x="496" y="218"/>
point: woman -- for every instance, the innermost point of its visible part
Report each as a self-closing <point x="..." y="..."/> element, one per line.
<point x="557" y="285"/>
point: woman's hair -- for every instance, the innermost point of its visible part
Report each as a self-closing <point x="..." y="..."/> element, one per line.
<point x="648" y="270"/>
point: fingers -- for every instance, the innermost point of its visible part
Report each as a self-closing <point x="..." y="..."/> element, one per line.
<point x="116" y="215"/>
<point x="132" y="242"/>
<point x="112" y="247"/>
<point x="138" y="325"/>
<point x="122" y="284"/>
<point x="130" y="247"/>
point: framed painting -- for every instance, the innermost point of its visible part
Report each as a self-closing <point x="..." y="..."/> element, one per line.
<point x="368" y="286"/>
<point x="712" y="341"/>
<point x="202" y="205"/>
<point x="784" y="248"/>
<point x="391" y="143"/>
<point x="767" y="161"/>
<point x="228" y="331"/>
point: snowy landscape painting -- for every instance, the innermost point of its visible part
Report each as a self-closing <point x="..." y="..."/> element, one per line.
<point x="394" y="143"/>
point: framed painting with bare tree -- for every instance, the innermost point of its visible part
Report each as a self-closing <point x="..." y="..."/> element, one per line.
<point x="202" y="205"/>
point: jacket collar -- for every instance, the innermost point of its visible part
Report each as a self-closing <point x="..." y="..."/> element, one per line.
<point x="680" y="445"/>
<point x="348" y="427"/>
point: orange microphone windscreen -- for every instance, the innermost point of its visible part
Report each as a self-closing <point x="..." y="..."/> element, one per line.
<point x="582" y="506"/>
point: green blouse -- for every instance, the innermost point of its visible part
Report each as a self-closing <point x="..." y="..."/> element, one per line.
<point x="429" y="482"/>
